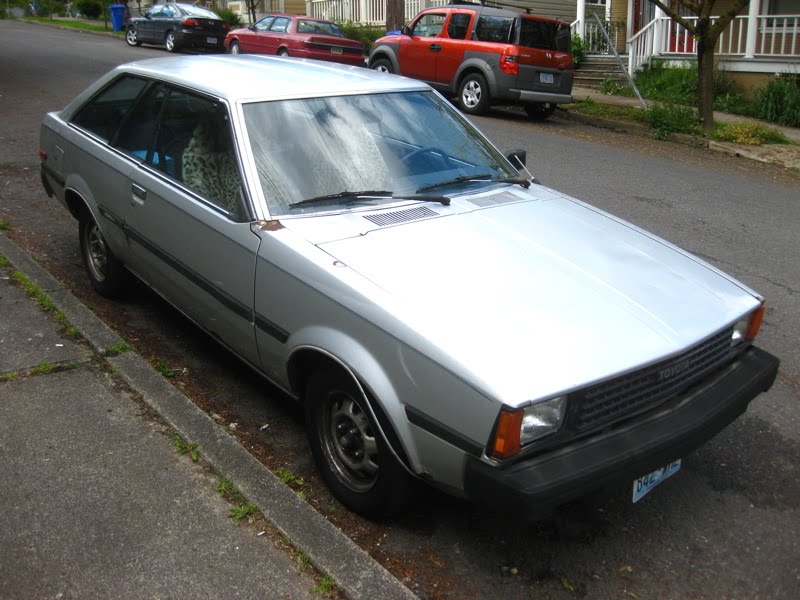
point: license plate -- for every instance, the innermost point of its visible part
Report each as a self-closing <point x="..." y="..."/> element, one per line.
<point x="336" y="50"/>
<point x="211" y="40"/>
<point x="644" y="485"/>
<point x="546" y="78"/>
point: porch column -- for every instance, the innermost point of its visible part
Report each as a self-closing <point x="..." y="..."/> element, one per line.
<point x="658" y="35"/>
<point x="752" y="29"/>
<point x="629" y="21"/>
<point x="581" y="16"/>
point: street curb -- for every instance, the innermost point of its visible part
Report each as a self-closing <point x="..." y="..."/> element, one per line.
<point x="355" y="572"/>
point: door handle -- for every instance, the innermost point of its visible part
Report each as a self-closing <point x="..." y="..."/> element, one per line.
<point x="138" y="194"/>
<point x="435" y="48"/>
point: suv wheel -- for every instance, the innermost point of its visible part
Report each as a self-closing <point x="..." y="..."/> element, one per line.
<point x="539" y="111"/>
<point x="473" y="94"/>
<point x="382" y="66"/>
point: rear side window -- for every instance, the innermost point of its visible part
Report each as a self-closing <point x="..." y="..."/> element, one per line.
<point x="458" y="26"/>
<point x="545" y="35"/>
<point x="494" y="29"/>
<point x="103" y="114"/>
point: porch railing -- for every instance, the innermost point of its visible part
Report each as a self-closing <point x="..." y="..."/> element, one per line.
<point x="366" y="12"/>
<point x="777" y="36"/>
<point x="594" y="42"/>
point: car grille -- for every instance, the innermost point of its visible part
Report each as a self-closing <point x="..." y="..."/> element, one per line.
<point x="630" y="394"/>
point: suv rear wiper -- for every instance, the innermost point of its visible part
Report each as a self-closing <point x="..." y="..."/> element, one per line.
<point x="487" y="177"/>
<point x="368" y="194"/>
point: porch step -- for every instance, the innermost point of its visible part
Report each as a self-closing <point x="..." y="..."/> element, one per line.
<point x="597" y="68"/>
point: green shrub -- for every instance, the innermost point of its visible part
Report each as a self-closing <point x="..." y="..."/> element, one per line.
<point x="577" y="49"/>
<point x="665" y="119"/>
<point x="748" y="132"/>
<point x="91" y="9"/>
<point x="230" y="17"/>
<point x="366" y="34"/>
<point x="779" y="102"/>
<point x="678" y="84"/>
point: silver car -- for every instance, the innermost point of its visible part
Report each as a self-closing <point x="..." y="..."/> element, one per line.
<point x="443" y="318"/>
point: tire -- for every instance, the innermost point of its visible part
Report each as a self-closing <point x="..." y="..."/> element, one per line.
<point x="106" y="274"/>
<point x="473" y="94"/>
<point x="235" y="48"/>
<point x="131" y="37"/>
<point x="171" y="42"/>
<point x="539" y="111"/>
<point x="382" y="65"/>
<point x="283" y="52"/>
<point x="352" y="456"/>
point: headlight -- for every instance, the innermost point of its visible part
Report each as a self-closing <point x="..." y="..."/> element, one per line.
<point x="747" y="327"/>
<point x="521" y="426"/>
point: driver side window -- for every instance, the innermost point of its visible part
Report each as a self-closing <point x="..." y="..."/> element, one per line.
<point x="429" y="25"/>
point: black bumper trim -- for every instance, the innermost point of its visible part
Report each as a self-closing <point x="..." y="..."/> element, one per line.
<point x="635" y="449"/>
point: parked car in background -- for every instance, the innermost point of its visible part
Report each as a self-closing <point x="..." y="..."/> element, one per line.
<point x="484" y="56"/>
<point x="297" y="36"/>
<point x="355" y="239"/>
<point x="178" y="26"/>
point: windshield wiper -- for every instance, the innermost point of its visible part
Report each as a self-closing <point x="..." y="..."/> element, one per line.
<point x="365" y="195"/>
<point x="487" y="177"/>
<point x="349" y="197"/>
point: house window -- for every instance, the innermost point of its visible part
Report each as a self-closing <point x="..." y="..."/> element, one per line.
<point x="598" y="2"/>
<point x="791" y="8"/>
<point x="782" y="7"/>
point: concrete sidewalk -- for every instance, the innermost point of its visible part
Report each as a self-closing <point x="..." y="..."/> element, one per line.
<point x="96" y="502"/>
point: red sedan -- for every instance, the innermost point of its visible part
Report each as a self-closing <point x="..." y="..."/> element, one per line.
<point x="292" y="35"/>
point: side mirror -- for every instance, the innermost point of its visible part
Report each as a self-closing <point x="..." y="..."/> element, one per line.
<point x="252" y="27"/>
<point x="404" y="30"/>
<point x="518" y="158"/>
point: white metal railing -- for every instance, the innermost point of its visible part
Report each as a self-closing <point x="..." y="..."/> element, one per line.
<point x="594" y="42"/>
<point x="365" y="12"/>
<point x="777" y="35"/>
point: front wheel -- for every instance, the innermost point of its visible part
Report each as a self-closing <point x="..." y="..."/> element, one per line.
<point x="473" y="94"/>
<point x="235" y="49"/>
<point x="349" y="450"/>
<point x="539" y="111"/>
<point x="106" y="274"/>
<point x="283" y="52"/>
<point x="131" y="37"/>
<point x="382" y="65"/>
<point x="171" y="41"/>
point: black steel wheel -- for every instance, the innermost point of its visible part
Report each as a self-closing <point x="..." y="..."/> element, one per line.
<point x="106" y="274"/>
<point x="350" y="452"/>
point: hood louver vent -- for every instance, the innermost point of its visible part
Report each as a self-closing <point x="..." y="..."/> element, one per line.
<point x="494" y="200"/>
<point x="402" y="216"/>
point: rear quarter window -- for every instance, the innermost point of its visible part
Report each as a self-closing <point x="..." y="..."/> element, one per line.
<point x="103" y="114"/>
<point x="494" y="29"/>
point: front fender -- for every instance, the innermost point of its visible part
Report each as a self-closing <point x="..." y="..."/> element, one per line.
<point x="387" y="51"/>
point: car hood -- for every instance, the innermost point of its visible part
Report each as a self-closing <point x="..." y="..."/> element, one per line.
<point x="537" y="297"/>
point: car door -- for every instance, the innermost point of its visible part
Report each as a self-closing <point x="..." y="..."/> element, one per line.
<point x="186" y="220"/>
<point x="254" y="40"/>
<point x="146" y="27"/>
<point x="419" y="50"/>
<point x="166" y="20"/>
<point x="274" y="37"/>
<point x="453" y="43"/>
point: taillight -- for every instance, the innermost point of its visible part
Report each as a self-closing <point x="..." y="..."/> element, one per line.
<point x="226" y="26"/>
<point x="509" y="64"/>
<point x="190" y="22"/>
<point x="42" y="155"/>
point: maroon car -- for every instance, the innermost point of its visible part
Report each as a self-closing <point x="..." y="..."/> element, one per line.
<point x="298" y="36"/>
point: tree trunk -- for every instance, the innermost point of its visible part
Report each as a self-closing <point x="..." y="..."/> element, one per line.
<point x="705" y="82"/>
<point x="395" y="14"/>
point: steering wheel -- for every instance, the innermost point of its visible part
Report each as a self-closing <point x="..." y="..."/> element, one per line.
<point x="441" y="157"/>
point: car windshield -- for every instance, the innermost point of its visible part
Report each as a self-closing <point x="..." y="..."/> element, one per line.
<point x="398" y="143"/>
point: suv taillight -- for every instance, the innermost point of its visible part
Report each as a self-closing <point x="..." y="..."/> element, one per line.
<point x="509" y="64"/>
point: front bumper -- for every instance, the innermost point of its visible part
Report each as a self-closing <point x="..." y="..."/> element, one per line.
<point x="628" y="451"/>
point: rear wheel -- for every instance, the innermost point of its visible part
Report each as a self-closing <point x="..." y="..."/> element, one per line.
<point x="171" y="41"/>
<point x="235" y="49"/>
<point x="350" y="452"/>
<point x="106" y="274"/>
<point x="473" y="94"/>
<point x="131" y="37"/>
<point x="382" y="65"/>
<point x="539" y="111"/>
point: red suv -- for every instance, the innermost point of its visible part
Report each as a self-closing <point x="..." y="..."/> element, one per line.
<point x="484" y="56"/>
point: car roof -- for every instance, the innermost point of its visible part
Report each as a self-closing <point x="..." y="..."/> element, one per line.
<point x="491" y="11"/>
<point x="256" y="77"/>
